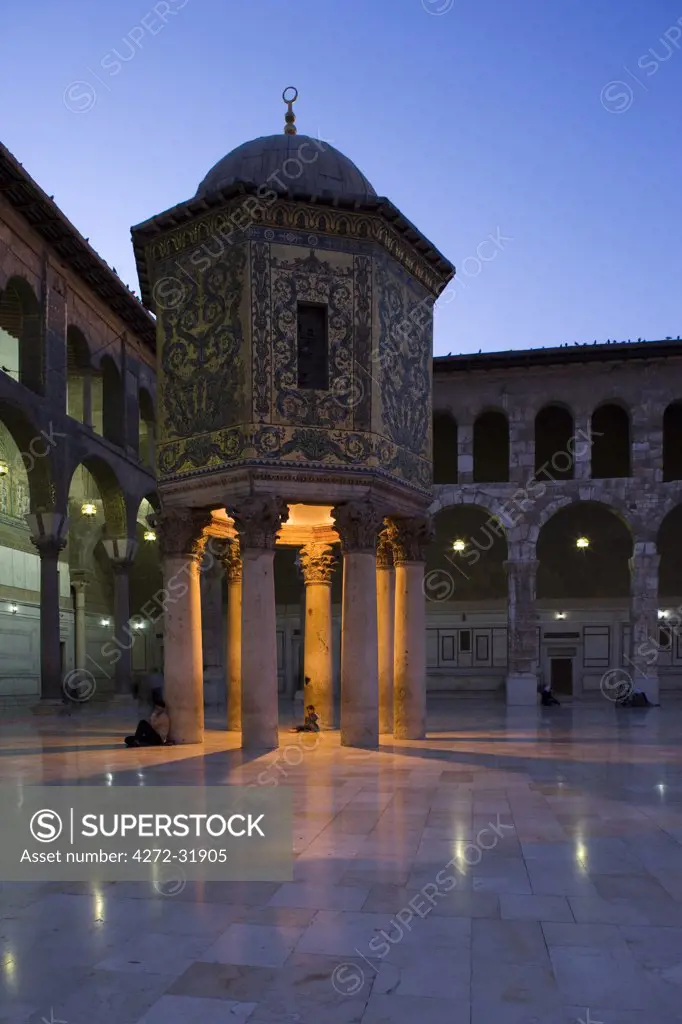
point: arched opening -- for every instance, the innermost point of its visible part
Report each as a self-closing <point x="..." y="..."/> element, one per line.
<point x="610" y="442"/>
<point x="96" y="509"/>
<point x="444" y="448"/>
<point x="672" y="442"/>
<point x="669" y="547"/>
<point x="113" y="410"/>
<point x="491" y="448"/>
<point x="19" y="576"/>
<point x="34" y="459"/>
<point x="554" y="432"/>
<point x="147" y="429"/>
<point x="21" y="350"/>
<point x="583" y="551"/>
<point x="146" y="594"/>
<point x="465" y="585"/>
<point x="77" y="375"/>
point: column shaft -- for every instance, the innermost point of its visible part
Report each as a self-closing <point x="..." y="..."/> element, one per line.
<point x="385" y="630"/>
<point x="50" y="651"/>
<point x="410" y="652"/>
<point x="644" y="624"/>
<point x="359" y="660"/>
<point x="234" y="654"/>
<point x="318" y="668"/>
<point x="80" y="643"/>
<point x="522" y="626"/>
<point x="260" y="702"/>
<point x="183" y="683"/>
<point x="122" y="630"/>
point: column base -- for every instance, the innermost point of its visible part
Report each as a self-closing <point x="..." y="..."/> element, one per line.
<point x="522" y="690"/>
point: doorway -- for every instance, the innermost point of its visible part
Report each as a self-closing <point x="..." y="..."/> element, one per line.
<point x="561" y="676"/>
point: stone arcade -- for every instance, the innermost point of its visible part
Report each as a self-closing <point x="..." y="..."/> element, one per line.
<point x="294" y="312"/>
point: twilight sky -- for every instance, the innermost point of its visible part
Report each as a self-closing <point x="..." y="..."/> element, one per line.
<point x="554" y="128"/>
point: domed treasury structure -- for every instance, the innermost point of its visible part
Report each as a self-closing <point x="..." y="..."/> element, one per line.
<point x="294" y="336"/>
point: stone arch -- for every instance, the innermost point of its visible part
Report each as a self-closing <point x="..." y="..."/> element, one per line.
<point x="672" y="441"/>
<point x="670" y="551"/>
<point x="600" y="570"/>
<point x="21" y="335"/>
<point x="611" y="441"/>
<point x="445" y="448"/>
<point x="491" y="446"/>
<point x="32" y="456"/>
<point x="554" y="432"/>
<point x="110" y="492"/>
<point x="476" y="570"/>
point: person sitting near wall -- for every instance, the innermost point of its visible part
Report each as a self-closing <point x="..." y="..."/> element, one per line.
<point x="547" y="698"/>
<point x="155" y="732"/>
<point x="311" y="722"/>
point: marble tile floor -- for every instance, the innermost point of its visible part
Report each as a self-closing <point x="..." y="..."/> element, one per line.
<point x="519" y="866"/>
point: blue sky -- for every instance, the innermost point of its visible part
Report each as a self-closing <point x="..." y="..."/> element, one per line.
<point x="555" y="127"/>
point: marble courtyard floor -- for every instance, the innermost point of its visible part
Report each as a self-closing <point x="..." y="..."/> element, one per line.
<point x="564" y="825"/>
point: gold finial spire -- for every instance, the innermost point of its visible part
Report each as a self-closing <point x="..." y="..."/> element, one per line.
<point x="290" y="116"/>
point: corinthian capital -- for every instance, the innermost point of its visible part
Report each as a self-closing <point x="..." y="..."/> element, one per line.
<point x="181" y="531"/>
<point x="410" y="538"/>
<point x="384" y="550"/>
<point x="358" y="523"/>
<point x="317" y="563"/>
<point x="232" y="560"/>
<point x="258" y="521"/>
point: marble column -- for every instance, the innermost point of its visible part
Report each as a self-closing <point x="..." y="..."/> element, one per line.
<point x="48" y="534"/>
<point x="212" y="615"/>
<point x="358" y="524"/>
<point x="580" y="445"/>
<point x="232" y="563"/>
<point x="258" y="521"/>
<point x="79" y="582"/>
<point x="385" y="630"/>
<point x="317" y="565"/>
<point x="181" y="542"/>
<point x="644" y="624"/>
<point x="121" y="552"/>
<point x="410" y="538"/>
<point x="522" y="625"/>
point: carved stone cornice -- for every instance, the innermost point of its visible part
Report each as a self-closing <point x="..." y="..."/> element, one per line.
<point x="358" y="523"/>
<point x="385" y="550"/>
<point x="231" y="558"/>
<point x="410" y="537"/>
<point x="258" y="521"/>
<point x="317" y="563"/>
<point x="181" y="531"/>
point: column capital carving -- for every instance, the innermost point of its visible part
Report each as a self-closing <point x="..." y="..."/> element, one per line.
<point x="258" y="521"/>
<point x="121" y="552"/>
<point x="317" y="563"/>
<point x="181" y="531"/>
<point x="385" y="551"/>
<point x="48" y="532"/>
<point x="358" y="523"/>
<point x="80" y="579"/>
<point x="410" y="537"/>
<point x="230" y="556"/>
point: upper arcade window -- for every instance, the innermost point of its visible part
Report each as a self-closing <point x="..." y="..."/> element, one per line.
<point x="313" y="346"/>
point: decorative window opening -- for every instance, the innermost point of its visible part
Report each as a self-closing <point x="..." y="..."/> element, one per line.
<point x="313" y="346"/>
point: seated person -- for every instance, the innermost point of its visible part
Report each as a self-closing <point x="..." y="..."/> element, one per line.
<point x="547" y="698"/>
<point x="155" y="732"/>
<point x="311" y="722"/>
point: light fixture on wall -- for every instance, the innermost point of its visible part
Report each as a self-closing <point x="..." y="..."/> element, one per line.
<point x="149" y="535"/>
<point x="4" y="468"/>
<point x="105" y="622"/>
<point x="14" y="609"/>
<point x="88" y="508"/>
<point x="560" y="615"/>
<point x="582" y="543"/>
<point x="139" y="624"/>
<point x="458" y="545"/>
<point x="663" y="613"/>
